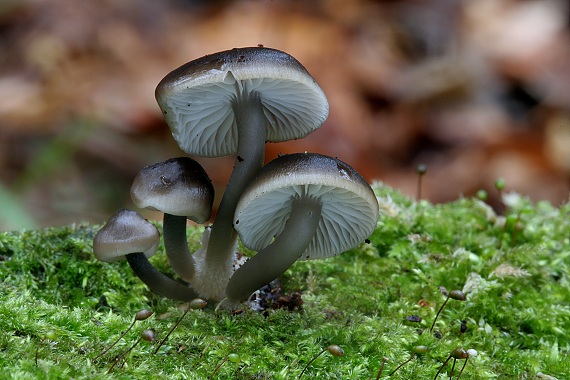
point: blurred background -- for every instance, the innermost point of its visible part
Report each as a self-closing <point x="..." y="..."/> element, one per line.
<point x="475" y="90"/>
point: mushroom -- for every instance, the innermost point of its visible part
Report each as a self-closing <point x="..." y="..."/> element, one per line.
<point x="128" y="235"/>
<point x="180" y="188"/>
<point x="300" y="205"/>
<point x="232" y="102"/>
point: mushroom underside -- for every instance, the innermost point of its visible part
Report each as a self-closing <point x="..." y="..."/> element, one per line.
<point x="272" y="261"/>
<point x="340" y="228"/>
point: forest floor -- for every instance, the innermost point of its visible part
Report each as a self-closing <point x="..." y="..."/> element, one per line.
<point x="61" y="307"/>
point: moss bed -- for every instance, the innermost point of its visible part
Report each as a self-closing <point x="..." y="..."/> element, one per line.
<point x="375" y="301"/>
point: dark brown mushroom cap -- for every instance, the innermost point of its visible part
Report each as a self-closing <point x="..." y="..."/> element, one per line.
<point x="349" y="206"/>
<point x="196" y="98"/>
<point x="178" y="186"/>
<point x="126" y="232"/>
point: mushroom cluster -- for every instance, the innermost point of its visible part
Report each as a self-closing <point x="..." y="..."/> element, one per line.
<point x="297" y="206"/>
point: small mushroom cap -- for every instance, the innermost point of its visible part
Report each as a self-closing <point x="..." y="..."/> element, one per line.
<point x="349" y="207"/>
<point x="126" y="232"/>
<point x="178" y="186"/>
<point x="196" y="98"/>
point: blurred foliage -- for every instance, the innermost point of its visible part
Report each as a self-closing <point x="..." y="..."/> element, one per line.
<point x="475" y="90"/>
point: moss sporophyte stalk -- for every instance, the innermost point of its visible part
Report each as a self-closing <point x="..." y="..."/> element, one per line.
<point x="516" y="313"/>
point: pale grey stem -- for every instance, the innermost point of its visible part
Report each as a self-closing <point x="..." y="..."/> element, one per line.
<point x="158" y="282"/>
<point x="176" y="246"/>
<point x="276" y="258"/>
<point x="250" y="122"/>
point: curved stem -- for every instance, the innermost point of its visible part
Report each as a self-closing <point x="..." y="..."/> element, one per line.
<point x="171" y="330"/>
<point x="116" y="341"/>
<point x="384" y="359"/>
<point x="402" y="364"/>
<point x="311" y="362"/>
<point x="123" y="355"/>
<point x="38" y="348"/>
<point x="276" y="258"/>
<point x="437" y="315"/>
<point x="158" y="282"/>
<point x="250" y="122"/>
<point x="440" y="368"/>
<point x="176" y="246"/>
<point x="218" y="367"/>
<point x="462" y="368"/>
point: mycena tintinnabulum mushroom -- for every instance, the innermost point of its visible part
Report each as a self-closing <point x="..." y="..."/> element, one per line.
<point x="299" y="206"/>
<point x="128" y="235"/>
<point x="180" y="188"/>
<point x="232" y="102"/>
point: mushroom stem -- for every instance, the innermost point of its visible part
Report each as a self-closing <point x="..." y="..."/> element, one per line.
<point x="176" y="246"/>
<point x="276" y="258"/>
<point x="250" y="122"/>
<point x="156" y="281"/>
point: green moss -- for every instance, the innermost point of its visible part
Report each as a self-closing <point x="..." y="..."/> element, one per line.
<point x="517" y="311"/>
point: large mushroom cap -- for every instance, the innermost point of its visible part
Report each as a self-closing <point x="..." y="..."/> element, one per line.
<point x="196" y="99"/>
<point x="178" y="186"/>
<point x="349" y="207"/>
<point x="126" y="232"/>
